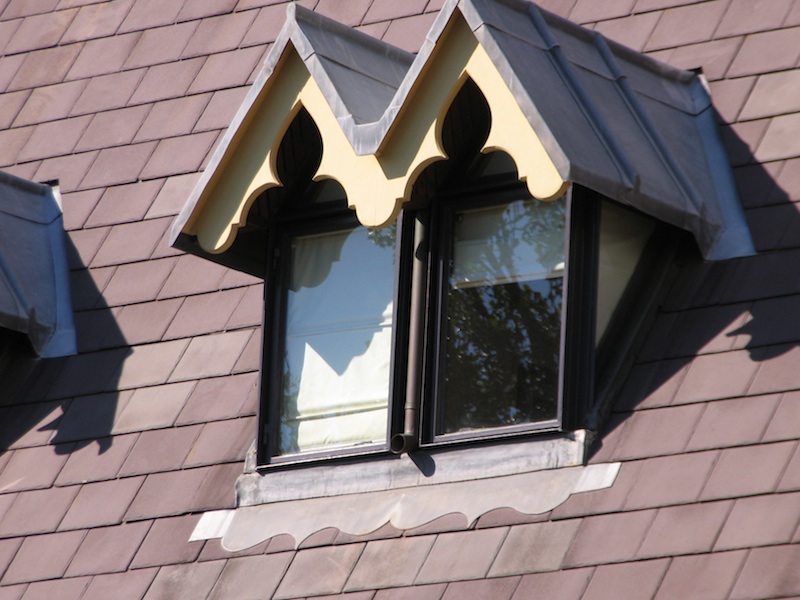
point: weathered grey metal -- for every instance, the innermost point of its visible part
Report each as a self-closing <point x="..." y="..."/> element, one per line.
<point x="611" y="119"/>
<point x="34" y="277"/>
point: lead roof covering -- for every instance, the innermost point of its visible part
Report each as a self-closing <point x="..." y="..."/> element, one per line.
<point x="34" y="285"/>
<point x="611" y="119"/>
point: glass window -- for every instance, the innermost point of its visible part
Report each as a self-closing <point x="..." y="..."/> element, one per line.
<point x="337" y="343"/>
<point x="503" y="317"/>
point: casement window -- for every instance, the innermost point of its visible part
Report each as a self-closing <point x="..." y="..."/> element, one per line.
<point x="473" y="317"/>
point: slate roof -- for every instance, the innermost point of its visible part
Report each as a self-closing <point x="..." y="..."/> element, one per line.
<point x="110" y="456"/>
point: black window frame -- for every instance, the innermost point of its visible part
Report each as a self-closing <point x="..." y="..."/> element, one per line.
<point x="417" y="318"/>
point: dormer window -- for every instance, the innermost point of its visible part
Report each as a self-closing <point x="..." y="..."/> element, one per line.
<point x="452" y="242"/>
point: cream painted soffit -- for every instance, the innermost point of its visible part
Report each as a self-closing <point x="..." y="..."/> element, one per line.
<point x="566" y="104"/>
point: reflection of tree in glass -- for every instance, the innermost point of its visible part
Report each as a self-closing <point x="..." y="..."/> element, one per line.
<point x="503" y="338"/>
<point x="502" y="355"/>
<point x="384" y="237"/>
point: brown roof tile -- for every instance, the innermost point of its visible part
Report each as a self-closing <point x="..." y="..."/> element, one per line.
<point x="778" y="143"/>
<point x="167" y="542"/>
<point x="179" y="155"/>
<point x="153" y="407"/>
<point x="760" y="521"/>
<point x="769" y="573"/>
<point x="211" y="355"/>
<point x="535" y="547"/>
<point x="250" y="359"/>
<point x="633" y="581"/>
<point x="161" y="45"/>
<point x="729" y="96"/>
<point x="221" y="109"/>
<point x="749" y="17"/>
<point x="29" y="425"/>
<point x="497" y="589"/>
<point x="138" y="282"/>
<point x="220" y="398"/>
<point x="185" y="582"/>
<point x="113" y="128"/>
<point x="775" y="373"/>
<point x="33" y="468"/>
<point x="586" y="11"/>
<point x="791" y="478"/>
<point x="108" y="549"/>
<point x="609" y="538"/>
<point x="97" y="20"/>
<point x="148" y="365"/>
<point x="54" y="138"/>
<point x="130" y="242"/>
<point x="748" y="470"/>
<point x="146" y="14"/>
<point x="389" y="563"/>
<point x="40" y="31"/>
<point x="773" y="94"/>
<point x="385" y="10"/>
<point x="222" y="441"/>
<point x="563" y="585"/>
<point x="714" y="376"/>
<point x="192" y="275"/>
<point x="91" y="417"/>
<point x="160" y="450"/>
<point x="249" y="311"/>
<point x="219" y="34"/>
<point x="77" y="207"/>
<point x="118" y="165"/>
<point x="686" y="25"/>
<point x="7" y="29"/>
<point x="130" y="585"/>
<point x="87" y="464"/>
<point x="349" y="13"/>
<point x="331" y="567"/>
<point x="38" y="511"/>
<point x="198" y="9"/>
<point x="124" y="203"/>
<point x="734" y="422"/>
<point x="632" y="31"/>
<point x="11" y="142"/>
<point x="103" y="56"/>
<point x="10" y="105"/>
<point x="170" y="80"/>
<point x="409" y="33"/>
<point x="701" y="577"/>
<point x="8" y="550"/>
<point x="217" y="490"/>
<point x="48" y="103"/>
<point x="713" y="57"/>
<point x="686" y="529"/>
<point x="462" y="555"/>
<point x="21" y="8"/>
<point x="172" y="117"/>
<point x="671" y="480"/>
<point x="172" y="195"/>
<point x="205" y="313"/>
<point x="642" y="437"/>
<point x="266" y="26"/>
<point x="43" y="557"/>
<point x="146" y="322"/>
<point x="166" y="494"/>
<point x="768" y="51"/>
<point x="9" y="67"/>
<point x="85" y="244"/>
<point x="101" y="503"/>
<point x="108" y="92"/>
<point x="783" y="423"/>
<point x="227" y="70"/>
<point x="63" y="589"/>
<point x="251" y="577"/>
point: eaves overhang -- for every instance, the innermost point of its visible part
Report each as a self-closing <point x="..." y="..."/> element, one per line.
<point x="569" y="106"/>
<point x="34" y="277"/>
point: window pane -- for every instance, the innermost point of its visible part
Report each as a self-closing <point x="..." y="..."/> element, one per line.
<point x="338" y="340"/>
<point x="504" y="316"/>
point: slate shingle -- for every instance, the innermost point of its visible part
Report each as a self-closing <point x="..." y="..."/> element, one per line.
<point x="632" y="581"/>
<point x="184" y="582"/>
<point x="389" y="563"/>
<point x="43" y="557"/>
<point x="332" y="566"/>
<point x="101" y="503"/>
<point x="97" y="20"/>
<point x="95" y="554"/>
<point x="130" y="585"/>
<point x="167" y="542"/>
<point x="462" y="555"/>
